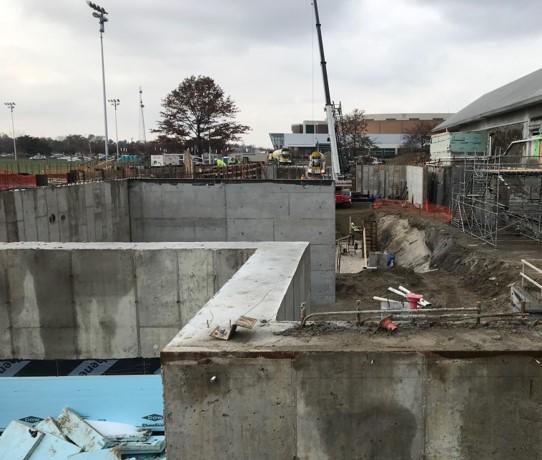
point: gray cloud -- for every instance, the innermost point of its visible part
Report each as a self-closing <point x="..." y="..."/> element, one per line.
<point x="394" y="55"/>
<point x="487" y="20"/>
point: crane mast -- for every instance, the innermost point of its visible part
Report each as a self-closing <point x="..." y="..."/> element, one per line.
<point x="330" y="109"/>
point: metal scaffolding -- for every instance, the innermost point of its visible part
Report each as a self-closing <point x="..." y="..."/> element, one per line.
<point x="499" y="197"/>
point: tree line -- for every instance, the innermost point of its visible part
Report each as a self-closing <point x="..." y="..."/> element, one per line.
<point x="73" y="144"/>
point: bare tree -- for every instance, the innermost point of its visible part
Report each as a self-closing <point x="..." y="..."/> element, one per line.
<point x="418" y="137"/>
<point x="355" y="141"/>
<point x="197" y="112"/>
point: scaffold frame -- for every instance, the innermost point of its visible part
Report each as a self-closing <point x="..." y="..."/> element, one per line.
<point x="498" y="196"/>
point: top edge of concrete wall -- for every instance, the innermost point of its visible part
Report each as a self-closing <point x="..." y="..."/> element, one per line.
<point x="234" y="181"/>
<point x="66" y="185"/>
<point x="32" y="245"/>
<point x="308" y="182"/>
<point x="273" y="278"/>
<point x="279" y="339"/>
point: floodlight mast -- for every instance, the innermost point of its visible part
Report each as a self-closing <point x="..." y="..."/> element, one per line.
<point x="100" y="14"/>
<point x="115" y="103"/>
<point x="11" y="107"/>
<point x="142" y="115"/>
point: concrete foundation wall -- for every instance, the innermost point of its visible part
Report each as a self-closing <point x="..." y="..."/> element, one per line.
<point x="384" y="181"/>
<point x="416" y="184"/>
<point x="258" y="211"/>
<point x="87" y="212"/>
<point x="312" y="405"/>
<point x="441" y="181"/>
<point x="181" y="211"/>
<point x="105" y="301"/>
<point x="392" y="181"/>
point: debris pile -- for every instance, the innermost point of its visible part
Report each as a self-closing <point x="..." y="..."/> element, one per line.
<point x="413" y="300"/>
<point x="72" y="437"/>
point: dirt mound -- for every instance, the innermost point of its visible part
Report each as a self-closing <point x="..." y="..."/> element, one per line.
<point x="407" y="242"/>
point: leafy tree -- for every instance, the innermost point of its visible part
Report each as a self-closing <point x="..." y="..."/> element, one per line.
<point x="353" y="131"/>
<point x="419" y="136"/>
<point x="198" y="111"/>
<point x="74" y="143"/>
<point x="6" y="144"/>
<point x="33" y="145"/>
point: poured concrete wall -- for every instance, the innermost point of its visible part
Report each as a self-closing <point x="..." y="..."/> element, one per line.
<point x="181" y="211"/>
<point x="442" y="183"/>
<point x="256" y="211"/>
<point x="85" y="212"/>
<point x="416" y="184"/>
<point x="392" y="181"/>
<point x="122" y="300"/>
<point x="321" y="405"/>
<point x="384" y="181"/>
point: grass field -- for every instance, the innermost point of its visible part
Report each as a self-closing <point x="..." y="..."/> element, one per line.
<point x="35" y="166"/>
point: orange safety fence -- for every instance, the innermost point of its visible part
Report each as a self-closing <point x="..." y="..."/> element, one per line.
<point x="10" y="181"/>
<point x="442" y="212"/>
<point x="428" y="209"/>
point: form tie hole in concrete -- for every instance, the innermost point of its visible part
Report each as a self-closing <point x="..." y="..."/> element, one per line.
<point x="62" y="217"/>
<point x="52" y="218"/>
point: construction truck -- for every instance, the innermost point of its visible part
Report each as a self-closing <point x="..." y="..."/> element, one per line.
<point x="280" y="156"/>
<point x="317" y="165"/>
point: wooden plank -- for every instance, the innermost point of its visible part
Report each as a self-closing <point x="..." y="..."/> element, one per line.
<point x="530" y="265"/>
<point x="528" y="278"/>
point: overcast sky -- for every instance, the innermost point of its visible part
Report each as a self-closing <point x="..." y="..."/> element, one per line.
<point x="383" y="56"/>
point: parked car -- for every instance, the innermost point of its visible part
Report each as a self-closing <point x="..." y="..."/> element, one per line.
<point x="38" y="156"/>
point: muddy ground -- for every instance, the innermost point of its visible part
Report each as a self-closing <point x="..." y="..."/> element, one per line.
<point x="450" y="268"/>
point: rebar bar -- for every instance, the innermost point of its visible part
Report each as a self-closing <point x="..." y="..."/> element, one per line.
<point x="412" y="313"/>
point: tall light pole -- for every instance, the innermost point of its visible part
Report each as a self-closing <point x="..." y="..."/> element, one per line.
<point x="11" y="107"/>
<point x="101" y="14"/>
<point x="115" y="103"/>
<point x="142" y="115"/>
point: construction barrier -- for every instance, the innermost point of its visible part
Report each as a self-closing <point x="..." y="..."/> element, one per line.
<point x="10" y="180"/>
<point x="443" y="213"/>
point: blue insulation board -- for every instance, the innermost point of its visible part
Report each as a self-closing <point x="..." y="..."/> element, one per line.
<point x="133" y="399"/>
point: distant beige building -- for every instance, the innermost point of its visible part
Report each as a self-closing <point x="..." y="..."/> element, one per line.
<point x="387" y="130"/>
